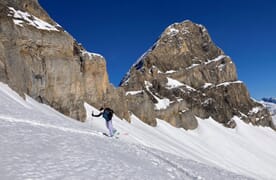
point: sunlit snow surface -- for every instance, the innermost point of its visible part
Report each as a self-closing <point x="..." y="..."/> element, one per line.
<point x="37" y="142"/>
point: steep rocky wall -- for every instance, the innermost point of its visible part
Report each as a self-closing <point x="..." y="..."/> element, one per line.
<point x="38" y="58"/>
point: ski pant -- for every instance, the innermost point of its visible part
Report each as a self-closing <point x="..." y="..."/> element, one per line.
<point x="110" y="127"/>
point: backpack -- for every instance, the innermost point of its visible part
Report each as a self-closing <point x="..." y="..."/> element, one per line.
<point x="107" y="114"/>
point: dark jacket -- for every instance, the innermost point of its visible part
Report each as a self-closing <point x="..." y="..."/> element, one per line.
<point x="107" y="114"/>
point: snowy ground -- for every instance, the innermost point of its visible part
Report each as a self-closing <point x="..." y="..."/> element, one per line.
<point x="37" y="142"/>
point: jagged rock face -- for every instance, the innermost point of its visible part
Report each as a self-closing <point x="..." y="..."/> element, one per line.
<point x="185" y="75"/>
<point x="39" y="58"/>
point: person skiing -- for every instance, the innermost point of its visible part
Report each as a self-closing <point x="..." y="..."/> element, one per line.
<point x="107" y="114"/>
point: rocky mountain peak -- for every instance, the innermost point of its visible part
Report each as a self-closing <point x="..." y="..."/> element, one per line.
<point x="184" y="75"/>
<point x="183" y="47"/>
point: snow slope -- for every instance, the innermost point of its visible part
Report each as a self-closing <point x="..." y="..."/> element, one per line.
<point x="36" y="142"/>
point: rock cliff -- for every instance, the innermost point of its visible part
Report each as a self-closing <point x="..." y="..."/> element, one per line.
<point x="184" y="75"/>
<point x="40" y="59"/>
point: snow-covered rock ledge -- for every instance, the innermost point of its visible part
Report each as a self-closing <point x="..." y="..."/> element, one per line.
<point x="20" y="18"/>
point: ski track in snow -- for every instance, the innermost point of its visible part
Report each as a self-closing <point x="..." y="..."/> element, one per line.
<point x="80" y="160"/>
<point x="69" y="162"/>
<point x="32" y="123"/>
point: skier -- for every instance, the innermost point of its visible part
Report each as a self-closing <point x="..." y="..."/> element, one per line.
<point x="107" y="114"/>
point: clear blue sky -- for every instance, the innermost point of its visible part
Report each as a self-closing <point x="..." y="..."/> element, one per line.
<point x="123" y="30"/>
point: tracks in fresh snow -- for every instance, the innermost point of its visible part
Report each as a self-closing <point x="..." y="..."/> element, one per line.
<point x="186" y="172"/>
<point x="95" y="133"/>
<point x="65" y="129"/>
<point x="72" y="152"/>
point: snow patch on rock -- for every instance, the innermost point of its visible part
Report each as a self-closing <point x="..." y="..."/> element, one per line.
<point x="161" y="103"/>
<point x="134" y="92"/>
<point x="20" y="18"/>
<point x="172" y="83"/>
<point x="91" y="55"/>
<point x="229" y="83"/>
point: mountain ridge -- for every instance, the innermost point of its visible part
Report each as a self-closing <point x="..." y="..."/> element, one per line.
<point x="271" y="100"/>
<point x="206" y="78"/>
